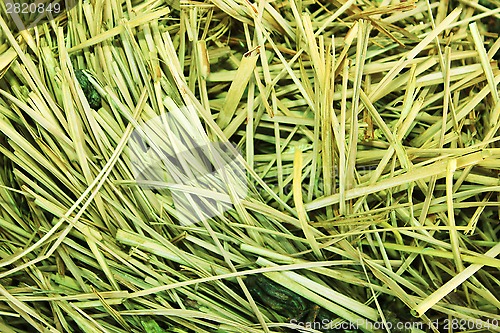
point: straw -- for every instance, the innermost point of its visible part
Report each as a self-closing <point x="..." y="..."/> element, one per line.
<point x="157" y="156"/>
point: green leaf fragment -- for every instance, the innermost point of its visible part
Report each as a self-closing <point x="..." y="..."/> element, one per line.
<point x="90" y="92"/>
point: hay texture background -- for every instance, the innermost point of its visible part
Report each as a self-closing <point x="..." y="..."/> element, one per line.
<point x="364" y="174"/>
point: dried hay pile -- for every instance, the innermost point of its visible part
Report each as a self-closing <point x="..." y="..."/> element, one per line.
<point x="156" y="154"/>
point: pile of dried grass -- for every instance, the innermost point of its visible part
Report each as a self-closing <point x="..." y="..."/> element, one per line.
<point x="367" y="135"/>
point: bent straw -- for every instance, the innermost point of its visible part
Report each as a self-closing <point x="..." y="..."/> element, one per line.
<point x="454" y="283"/>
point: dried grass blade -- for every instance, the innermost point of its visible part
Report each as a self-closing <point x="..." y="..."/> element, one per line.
<point x="235" y="93"/>
<point x="299" y="205"/>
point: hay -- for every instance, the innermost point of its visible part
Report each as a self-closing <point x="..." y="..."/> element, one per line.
<point x="364" y="179"/>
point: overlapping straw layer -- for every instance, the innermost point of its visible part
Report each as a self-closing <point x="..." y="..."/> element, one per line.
<point x="347" y="150"/>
